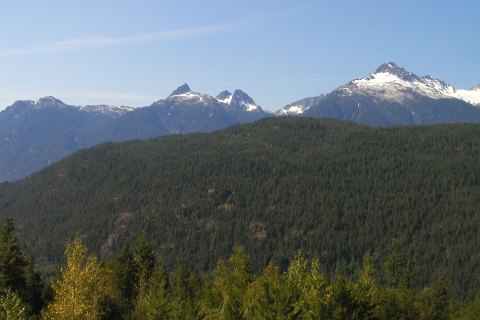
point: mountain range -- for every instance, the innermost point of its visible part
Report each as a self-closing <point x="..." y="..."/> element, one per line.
<point x="392" y="96"/>
<point x="36" y="134"/>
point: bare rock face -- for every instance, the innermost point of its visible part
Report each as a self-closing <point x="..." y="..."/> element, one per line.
<point x="184" y="88"/>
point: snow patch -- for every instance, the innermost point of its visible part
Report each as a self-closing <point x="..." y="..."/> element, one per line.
<point x="298" y="109"/>
<point x="392" y="86"/>
<point x="471" y="96"/>
<point x="107" y="109"/>
<point x="189" y="95"/>
<point x="227" y="100"/>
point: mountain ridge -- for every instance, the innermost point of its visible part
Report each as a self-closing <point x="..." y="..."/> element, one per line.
<point x="388" y="83"/>
<point x="394" y="96"/>
<point x="36" y="134"/>
<point x="389" y="96"/>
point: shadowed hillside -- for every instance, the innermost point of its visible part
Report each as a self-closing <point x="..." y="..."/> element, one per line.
<point x="334" y="189"/>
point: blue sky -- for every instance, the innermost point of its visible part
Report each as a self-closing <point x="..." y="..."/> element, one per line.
<point x="137" y="52"/>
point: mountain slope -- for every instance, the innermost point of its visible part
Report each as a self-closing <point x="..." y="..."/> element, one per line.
<point x="185" y="111"/>
<point x="333" y="189"/>
<point x="391" y="96"/>
<point x="298" y="107"/>
<point x="37" y="134"/>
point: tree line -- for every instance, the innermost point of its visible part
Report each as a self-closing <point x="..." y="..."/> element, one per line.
<point x="134" y="285"/>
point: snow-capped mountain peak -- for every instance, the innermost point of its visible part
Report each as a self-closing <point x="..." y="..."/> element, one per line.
<point x="242" y="101"/>
<point x="239" y="100"/>
<point x="388" y="85"/>
<point x="184" y="93"/>
<point x="394" y="83"/>
<point x="391" y="82"/>
<point x="224" y="97"/>
<point x="184" y="88"/>
<point x="393" y="69"/>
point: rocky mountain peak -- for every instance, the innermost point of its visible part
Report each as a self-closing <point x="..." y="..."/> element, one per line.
<point x="393" y="69"/>
<point x="223" y="95"/>
<point x="184" y="88"/>
<point x="239" y="96"/>
<point x="49" y="101"/>
<point x="390" y="67"/>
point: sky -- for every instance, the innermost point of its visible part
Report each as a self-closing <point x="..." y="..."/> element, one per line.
<point x="133" y="53"/>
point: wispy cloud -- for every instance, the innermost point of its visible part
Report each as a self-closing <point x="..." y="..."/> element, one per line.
<point x="102" y="41"/>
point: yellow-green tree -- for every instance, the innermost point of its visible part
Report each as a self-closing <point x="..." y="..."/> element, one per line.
<point x="12" y="307"/>
<point x="224" y="300"/>
<point x="307" y="281"/>
<point x="78" y="289"/>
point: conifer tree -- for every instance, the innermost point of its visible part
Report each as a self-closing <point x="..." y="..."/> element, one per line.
<point x="233" y="277"/>
<point x="12" y="307"/>
<point x="34" y="285"/>
<point x="145" y="262"/>
<point x="308" y="283"/>
<point x="268" y="299"/>
<point x="155" y="302"/>
<point x="126" y="274"/>
<point x="435" y="302"/>
<point x="12" y="273"/>
<point x="394" y="264"/>
<point x="181" y="282"/>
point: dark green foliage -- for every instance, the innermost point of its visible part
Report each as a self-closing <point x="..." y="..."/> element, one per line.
<point x="12" y="263"/>
<point x="126" y="275"/>
<point x="394" y="264"/>
<point x="21" y="287"/>
<point x="34" y="286"/>
<point x="144" y="258"/>
<point x="352" y="302"/>
<point x="333" y="189"/>
<point x="435" y="303"/>
<point x="302" y="292"/>
<point x="232" y="279"/>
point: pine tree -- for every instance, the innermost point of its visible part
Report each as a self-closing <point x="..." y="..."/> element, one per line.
<point x="394" y="264"/>
<point x="12" y="273"/>
<point x="34" y="285"/>
<point x="181" y="282"/>
<point x="145" y="261"/>
<point x="268" y="299"/>
<point x="435" y="302"/>
<point x="12" y="307"/>
<point x="233" y="278"/>
<point x="126" y="274"/>
<point x="156" y="301"/>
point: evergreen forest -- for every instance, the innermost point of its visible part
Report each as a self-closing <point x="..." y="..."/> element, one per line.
<point x="134" y="285"/>
<point x="335" y="198"/>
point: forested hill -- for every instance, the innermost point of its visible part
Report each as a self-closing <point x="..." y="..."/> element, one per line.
<point x="334" y="189"/>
